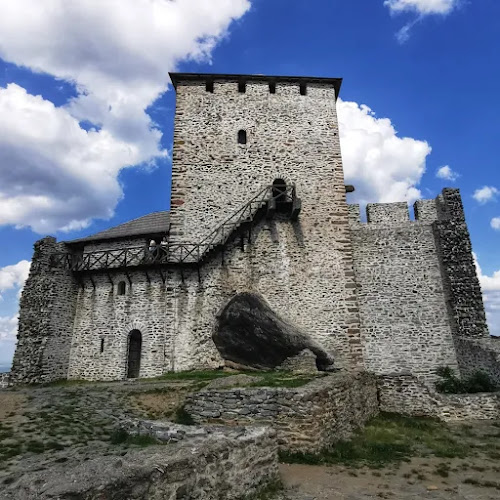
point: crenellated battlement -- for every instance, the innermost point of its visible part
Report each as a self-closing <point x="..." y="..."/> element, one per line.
<point x="446" y="206"/>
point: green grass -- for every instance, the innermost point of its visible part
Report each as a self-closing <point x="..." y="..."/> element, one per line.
<point x="386" y="439"/>
<point x="267" y="378"/>
<point x="192" y="375"/>
<point x="283" y="379"/>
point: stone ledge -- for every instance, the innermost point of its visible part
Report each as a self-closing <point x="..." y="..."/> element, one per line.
<point x="306" y="418"/>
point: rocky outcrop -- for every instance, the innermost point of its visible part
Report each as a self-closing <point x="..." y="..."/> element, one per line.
<point x="250" y="333"/>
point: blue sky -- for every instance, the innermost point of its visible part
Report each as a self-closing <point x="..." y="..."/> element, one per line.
<point x="86" y="112"/>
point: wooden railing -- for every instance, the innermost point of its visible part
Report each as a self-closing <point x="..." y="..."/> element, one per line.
<point x="182" y="253"/>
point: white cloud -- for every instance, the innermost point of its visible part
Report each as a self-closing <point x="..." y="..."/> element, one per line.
<point x="54" y="174"/>
<point x="8" y="332"/>
<point x="495" y="223"/>
<point x="423" y="7"/>
<point x="8" y="328"/>
<point x="14" y="276"/>
<point x="383" y="166"/>
<point x="490" y="286"/>
<point x="447" y="173"/>
<point x="485" y="194"/>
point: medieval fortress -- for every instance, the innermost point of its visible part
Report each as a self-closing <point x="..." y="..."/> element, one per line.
<point x="258" y="204"/>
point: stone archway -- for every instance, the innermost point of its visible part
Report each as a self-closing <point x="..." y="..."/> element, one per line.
<point x="134" y="354"/>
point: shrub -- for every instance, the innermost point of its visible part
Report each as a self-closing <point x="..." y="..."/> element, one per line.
<point x="479" y="381"/>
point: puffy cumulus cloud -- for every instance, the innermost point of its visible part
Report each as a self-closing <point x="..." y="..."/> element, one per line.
<point x="8" y="332"/>
<point x="118" y="54"/>
<point x="54" y="174"/>
<point x="14" y="276"/>
<point x="485" y="194"/>
<point x="490" y="285"/>
<point x="421" y="8"/>
<point x="8" y="328"/>
<point x="447" y="173"/>
<point x="495" y="223"/>
<point x="382" y="166"/>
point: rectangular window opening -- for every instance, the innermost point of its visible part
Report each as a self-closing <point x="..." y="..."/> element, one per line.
<point x="303" y="89"/>
<point x="272" y="88"/>
<point x="209" y="86"/>
<point x="242" y="87"/>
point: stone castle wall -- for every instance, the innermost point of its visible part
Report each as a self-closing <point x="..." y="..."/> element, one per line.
<point x="404" y="322"/>
<point x="47" y="309"/>
<point x="479" y="354"/>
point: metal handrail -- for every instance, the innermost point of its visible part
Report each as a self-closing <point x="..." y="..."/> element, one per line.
<point x="172" y="252"/>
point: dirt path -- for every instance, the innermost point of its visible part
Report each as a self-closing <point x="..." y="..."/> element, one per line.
<point x="421" y="478"/>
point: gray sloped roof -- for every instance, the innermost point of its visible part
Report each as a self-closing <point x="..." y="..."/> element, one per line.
<point x="154" y="223"/>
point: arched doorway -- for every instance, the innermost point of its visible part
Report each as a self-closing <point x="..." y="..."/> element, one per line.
<point x="134" y="354"/>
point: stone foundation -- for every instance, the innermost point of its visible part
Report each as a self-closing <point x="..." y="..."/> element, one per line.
<point x="230" y="464"/>
<point x="406" y="395"/>
<point x="306" y="419"/>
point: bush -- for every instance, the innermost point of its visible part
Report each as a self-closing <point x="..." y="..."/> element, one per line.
<point x="479" y="381"/>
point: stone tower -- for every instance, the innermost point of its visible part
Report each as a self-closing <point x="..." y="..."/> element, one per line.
<point x="233" y="136"/>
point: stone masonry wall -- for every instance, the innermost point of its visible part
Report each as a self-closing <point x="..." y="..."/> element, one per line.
<point x="462" y="285"/>
<point x="4" y="380"/>
<point x="303" y="269"/>
<point x="232" y="465"/>
<point x="306" y="419"/>
<point x="479" y="354"/>
<point x="405" y="394"/>
<point x="404" y="319"/>
<point x="47" y="308"/>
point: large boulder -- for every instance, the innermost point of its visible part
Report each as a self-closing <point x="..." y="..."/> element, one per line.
<point x="250" y="333"/>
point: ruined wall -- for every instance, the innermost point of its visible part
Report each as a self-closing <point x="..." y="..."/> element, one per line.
<point x="403" y="312"/>
<point x="406" y="395"/>
<point x="4" y="380"/>
<point x="304" y="269"/>
<point x="462" y="285"/>
<point x="46" y="314"/>
<point x="231" y="464"/>
<point x="306" y="419"/>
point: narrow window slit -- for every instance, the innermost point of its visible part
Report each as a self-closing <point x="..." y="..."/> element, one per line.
<point x="303" y="89"/>
<point x="272" y="88"/>
<point x="242" y="137"/>
<point x="209" y="86"/>
<point x="242" y="87"/>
